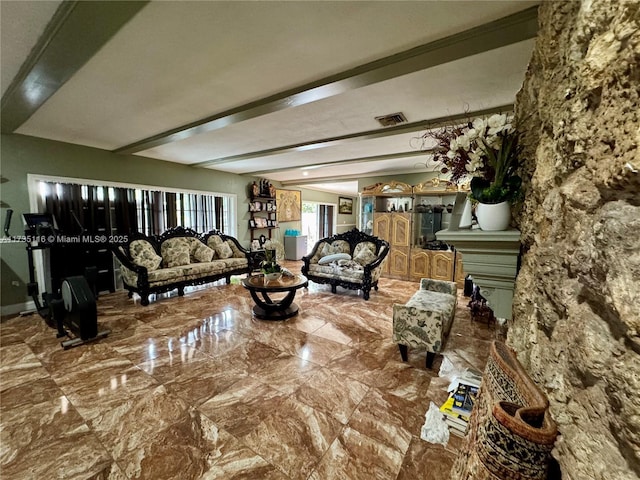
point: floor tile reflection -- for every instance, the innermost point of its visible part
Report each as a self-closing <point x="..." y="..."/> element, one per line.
<point x="194" y="387"/>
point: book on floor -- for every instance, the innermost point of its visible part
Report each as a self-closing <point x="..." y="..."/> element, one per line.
<point x="469" y="377"/>
<point x="455" y="430"/>
<point x="463" y="399"/>
<point x="449" y="414"/>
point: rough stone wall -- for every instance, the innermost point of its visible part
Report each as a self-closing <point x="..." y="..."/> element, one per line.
<point x="576" y="323"/>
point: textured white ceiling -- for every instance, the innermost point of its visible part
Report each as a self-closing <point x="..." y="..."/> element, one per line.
<point x="444" y="90"/>
<point x="179" y="62"/>
<point x="21" y="24"/>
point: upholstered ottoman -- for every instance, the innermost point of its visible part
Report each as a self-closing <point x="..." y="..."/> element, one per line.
<point x="425" y="320"/>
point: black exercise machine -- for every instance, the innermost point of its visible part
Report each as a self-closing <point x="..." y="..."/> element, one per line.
<point x="73" y="307"/>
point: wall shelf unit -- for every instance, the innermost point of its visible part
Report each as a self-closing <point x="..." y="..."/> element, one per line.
<point x="263" y="216"/>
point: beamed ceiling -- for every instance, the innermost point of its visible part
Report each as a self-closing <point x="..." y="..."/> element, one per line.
<point x="288" y="91"/>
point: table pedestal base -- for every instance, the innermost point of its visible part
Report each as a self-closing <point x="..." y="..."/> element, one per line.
<point x="280" y="314"/>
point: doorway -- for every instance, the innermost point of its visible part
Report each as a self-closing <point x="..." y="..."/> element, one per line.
<point x="318" y="221"/>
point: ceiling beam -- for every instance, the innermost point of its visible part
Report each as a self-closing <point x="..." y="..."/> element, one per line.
<point x="74" y="34"/>
<point x="359" y="136"/>
<point x="348" y="161"/>
<point x="499" y="33"/>
<point x="355" y="176"/>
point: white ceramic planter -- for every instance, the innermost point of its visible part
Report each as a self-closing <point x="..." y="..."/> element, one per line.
<point x="493" y="217"/>
<point x="270" y="277"/>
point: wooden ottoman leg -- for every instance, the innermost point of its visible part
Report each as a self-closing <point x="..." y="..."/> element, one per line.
<point x="430" y="358"/>
<point x="403" y="352"/>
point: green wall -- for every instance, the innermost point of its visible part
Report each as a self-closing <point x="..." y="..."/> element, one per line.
<point x="21" y="155"/>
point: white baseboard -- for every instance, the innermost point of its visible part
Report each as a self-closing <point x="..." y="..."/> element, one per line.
<point x="17" y="308"/>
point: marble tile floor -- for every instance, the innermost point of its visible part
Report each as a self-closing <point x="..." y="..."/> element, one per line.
<point x="194" y="388"/>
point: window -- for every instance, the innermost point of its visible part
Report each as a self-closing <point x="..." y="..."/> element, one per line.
<point x="121" y="208"/>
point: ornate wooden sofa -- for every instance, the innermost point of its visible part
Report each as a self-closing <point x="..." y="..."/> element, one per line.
<point x="178" y="258"/>
<point x="351" y="260"/>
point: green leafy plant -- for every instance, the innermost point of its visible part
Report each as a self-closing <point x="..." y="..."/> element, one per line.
<point x="269" y="264"/>
<point x="486" y="151"/>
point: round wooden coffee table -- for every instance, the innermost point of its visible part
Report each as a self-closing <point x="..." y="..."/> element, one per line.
<point x="267" y="308"/>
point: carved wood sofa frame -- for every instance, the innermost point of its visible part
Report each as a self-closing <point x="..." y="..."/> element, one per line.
<point x="144" y="289"/>
<point x="353" y="237"/>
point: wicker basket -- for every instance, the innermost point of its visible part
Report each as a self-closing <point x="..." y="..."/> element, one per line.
<point x="511" y="432"/>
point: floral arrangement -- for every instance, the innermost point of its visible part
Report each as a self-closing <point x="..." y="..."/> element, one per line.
<point x="269" y="264"/>
<point x="487" y="150"/>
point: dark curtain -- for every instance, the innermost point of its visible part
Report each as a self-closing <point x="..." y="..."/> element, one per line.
<point x="171" y="210"/>
<point x="325" y="220"/>
<point x="88" y="209"/>
<point x="64" y="201"/>
<point x="219" y="213"/>
<point x="126" y="215"/>
<point x="157" y="209"/>
<point x="153" y="212"/>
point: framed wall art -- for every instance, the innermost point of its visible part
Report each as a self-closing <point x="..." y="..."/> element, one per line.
<point x="289" y="205"/>
<point x="345" y="205"/>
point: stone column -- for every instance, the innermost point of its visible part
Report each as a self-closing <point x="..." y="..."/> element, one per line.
<point x="576" y="319"/>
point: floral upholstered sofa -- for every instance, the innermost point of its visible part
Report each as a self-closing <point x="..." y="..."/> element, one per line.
<point x="425" y="320"/>
<point x="351" y="260"/>
<point x="178" y="258"/>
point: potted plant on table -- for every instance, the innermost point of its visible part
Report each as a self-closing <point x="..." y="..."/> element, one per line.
<point x="488" y="152"/>
<point x="269" y="266"/>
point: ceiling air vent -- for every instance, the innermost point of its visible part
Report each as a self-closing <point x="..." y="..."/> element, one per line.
<point x="391" y="119"/>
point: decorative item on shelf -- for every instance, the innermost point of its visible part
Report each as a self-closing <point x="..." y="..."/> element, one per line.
<point x="255" y="189"/>
<point x="269" y="266"/>
<point x="272" y="191"/>
<point x="488" y="151"/>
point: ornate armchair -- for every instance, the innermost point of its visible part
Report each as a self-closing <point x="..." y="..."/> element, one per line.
<point x="350" y="260"/>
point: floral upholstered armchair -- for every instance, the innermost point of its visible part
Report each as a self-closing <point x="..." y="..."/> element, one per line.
<point x="351" y="260"/>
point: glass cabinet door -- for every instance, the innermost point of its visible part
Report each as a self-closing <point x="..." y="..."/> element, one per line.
<point x="366" y="214"/>
<point x="425" y="226"/>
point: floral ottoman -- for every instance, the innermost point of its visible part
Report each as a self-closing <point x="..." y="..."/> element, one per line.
<point x="425" y="320"/>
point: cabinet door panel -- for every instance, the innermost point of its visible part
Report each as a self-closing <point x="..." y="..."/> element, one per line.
<point x="442" y="266"/>
<point x="382" y="226"/>
<point x="399" y="262"/>
<point x="401" y="230"/>
<point x="420" y="265"/>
